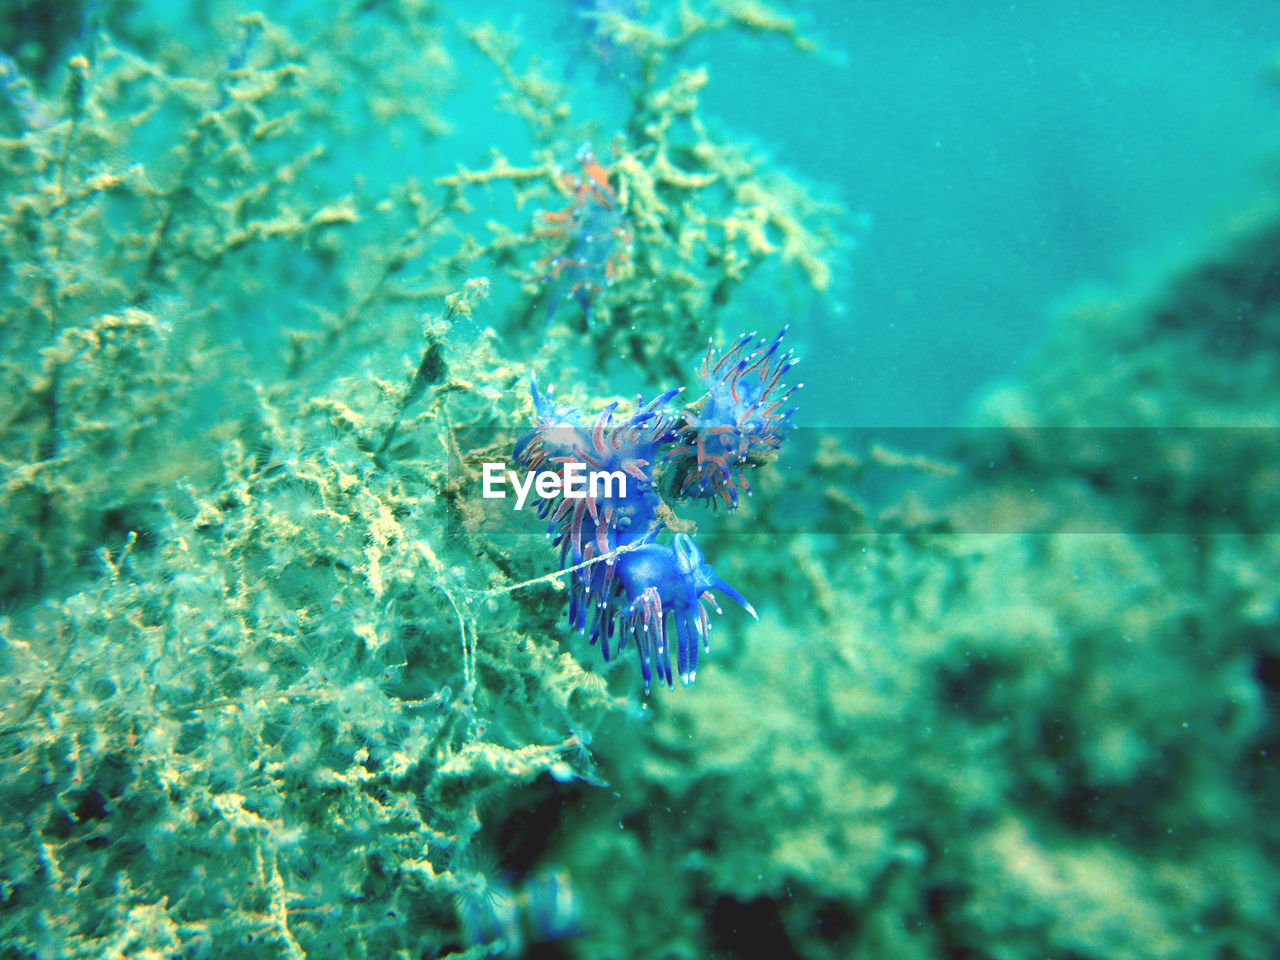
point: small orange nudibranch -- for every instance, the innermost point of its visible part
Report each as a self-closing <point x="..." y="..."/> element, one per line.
<point x="595" y="233"/>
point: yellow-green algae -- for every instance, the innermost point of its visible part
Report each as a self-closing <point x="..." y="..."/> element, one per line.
<point x="263" y="667"/>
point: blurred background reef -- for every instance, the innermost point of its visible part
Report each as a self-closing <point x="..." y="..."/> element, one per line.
<point x="273" y="685"/>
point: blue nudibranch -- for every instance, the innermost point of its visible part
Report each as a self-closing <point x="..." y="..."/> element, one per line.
<point x="636" y="581"/>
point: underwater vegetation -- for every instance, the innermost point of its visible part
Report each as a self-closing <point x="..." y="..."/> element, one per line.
<point x="263" y="668"/>
<point x="274" y="682"/>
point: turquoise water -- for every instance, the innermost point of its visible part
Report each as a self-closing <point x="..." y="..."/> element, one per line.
<point x="1006" y="157"/>
<point x="276" y="680"/>
<point x="994" y="161"/>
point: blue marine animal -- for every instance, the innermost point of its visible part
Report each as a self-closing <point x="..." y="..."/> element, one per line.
<point x="625" y="582"/>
